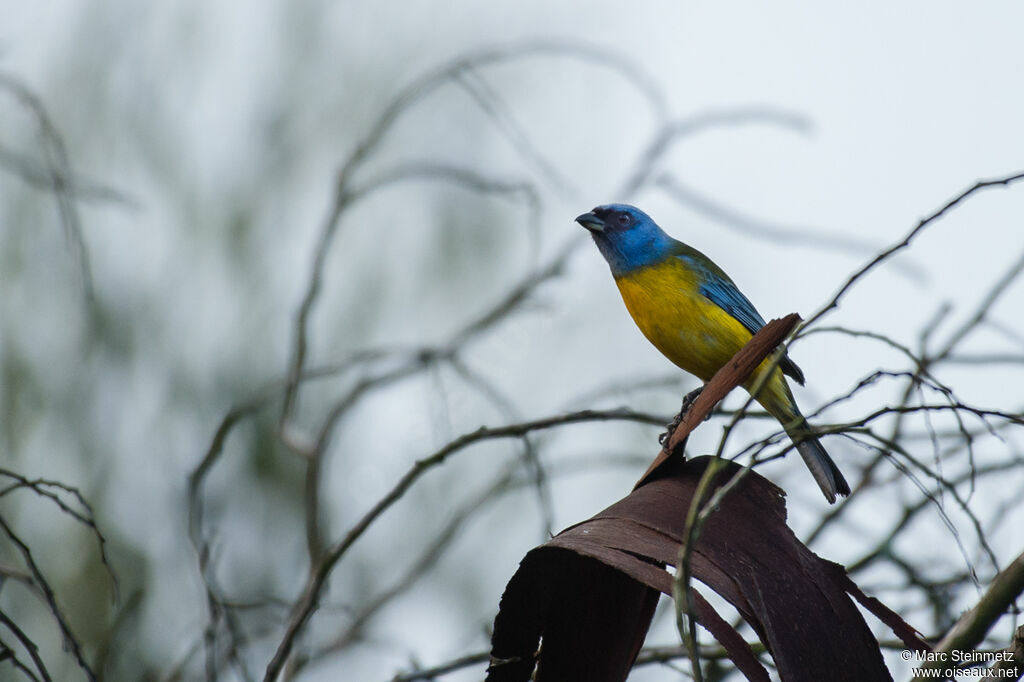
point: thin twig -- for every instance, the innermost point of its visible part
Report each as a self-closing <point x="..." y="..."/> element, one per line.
<point x="70" y="641"/>
<point x="307" y="603"/>
<point x="902" y="244"/>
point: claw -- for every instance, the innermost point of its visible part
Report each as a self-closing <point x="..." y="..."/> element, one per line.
<point x="671" y="427"/>
<point x="689" y="399"/>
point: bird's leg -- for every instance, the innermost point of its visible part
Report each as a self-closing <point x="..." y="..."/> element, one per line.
<point x="688" y="401"/>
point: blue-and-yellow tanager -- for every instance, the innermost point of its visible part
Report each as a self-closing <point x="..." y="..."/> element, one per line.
<point x="696" y="316"/>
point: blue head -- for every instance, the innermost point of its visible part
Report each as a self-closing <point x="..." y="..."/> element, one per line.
<point x="627" y="237"/>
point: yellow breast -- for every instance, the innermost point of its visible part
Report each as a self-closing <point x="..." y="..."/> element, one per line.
<point x="691" y="331"/>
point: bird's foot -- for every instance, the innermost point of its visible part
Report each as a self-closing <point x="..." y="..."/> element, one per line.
<point x="671" y="427"/>
<point x="688" y="400"/>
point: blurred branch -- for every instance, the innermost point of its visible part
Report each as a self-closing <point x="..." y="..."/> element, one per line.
<point x="755" y="227"/>
<point x="625" y="386"/>
<point x="490" y="102"/>
<point x="42" y="487"/>
<point x="412" y="362"/>
<point x="531" y="456"/>
<point x="58" y="167"/>
<point x="32" y="576"/>
<point x="70" y="641"/>
<point x="7" y="653"/>
<point x="306" y="604"/>
<point x="432" y="673"/>
<point x="515" y="477"/>
<point x="461" y="177"/>
<point x="649" y="655"/>
<point x="514" y="298"/>
<point x="418" y="363"/>
<point x="1012" y="669"/>
<point x="81" y="188"/>
<point x="672" y="131"/>
<point x="403" y="102"/>
<point x="426" y="559"/>
<point x="985" y="359"/>
<point x="970" y="630"/>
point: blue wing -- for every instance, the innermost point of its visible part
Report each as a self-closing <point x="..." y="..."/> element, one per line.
<point x="724" y="294"/>
<point x="720" y="290"/>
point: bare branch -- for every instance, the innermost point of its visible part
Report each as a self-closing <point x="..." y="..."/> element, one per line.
<point x="905" y="242"/>
<point x="70" y="641"/>
<point x="29" y="646"/>
<point x="970" y="630"/>
<point x="430" y="674"/>
<point x="306" y="604"/>
<point x="44" y="488"/>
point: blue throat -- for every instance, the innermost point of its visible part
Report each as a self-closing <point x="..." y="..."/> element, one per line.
<point x="633" y="249"/>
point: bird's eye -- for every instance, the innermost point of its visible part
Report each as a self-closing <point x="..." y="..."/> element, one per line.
<point x="624" y="219"/>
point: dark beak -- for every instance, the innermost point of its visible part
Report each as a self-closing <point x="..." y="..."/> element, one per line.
<point x="591" y="222"/>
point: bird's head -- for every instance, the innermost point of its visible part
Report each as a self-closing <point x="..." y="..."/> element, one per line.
<point x="627" y="237"/>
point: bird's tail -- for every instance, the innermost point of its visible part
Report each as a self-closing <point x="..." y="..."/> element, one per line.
<point x="824" y="470"/>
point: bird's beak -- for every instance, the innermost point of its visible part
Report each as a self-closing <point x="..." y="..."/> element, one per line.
<point x="591" y="222"/>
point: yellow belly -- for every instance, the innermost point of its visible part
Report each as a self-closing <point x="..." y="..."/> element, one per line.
<point x="690" y="330"/>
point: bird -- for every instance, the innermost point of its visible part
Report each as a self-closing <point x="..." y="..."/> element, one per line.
<point x="692" y="312"/>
